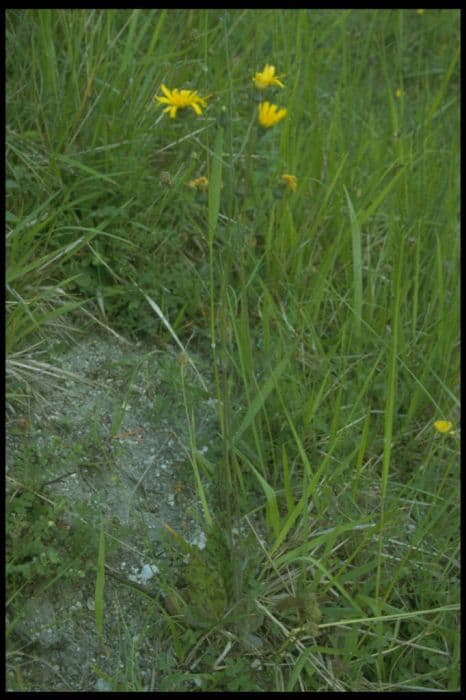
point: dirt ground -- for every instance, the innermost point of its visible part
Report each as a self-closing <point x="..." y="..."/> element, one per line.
<point x="111" y="436"/>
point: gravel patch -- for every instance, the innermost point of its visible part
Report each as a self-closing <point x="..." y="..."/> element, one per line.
<point x="114" y="443"/>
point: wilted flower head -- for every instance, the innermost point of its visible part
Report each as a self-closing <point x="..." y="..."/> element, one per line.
<point x="166" y="178"/>
<point x="269" y="114"/>
<point x="291" y="181"/>
<point x="266" y="78"/>
<point x="178" y="99"/>
<point x="200" y="183"/>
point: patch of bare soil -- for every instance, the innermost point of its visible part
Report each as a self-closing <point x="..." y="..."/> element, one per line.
<point x="110" y="436"/>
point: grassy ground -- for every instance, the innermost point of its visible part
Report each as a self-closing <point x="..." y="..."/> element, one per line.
<point x="330" y="313"/>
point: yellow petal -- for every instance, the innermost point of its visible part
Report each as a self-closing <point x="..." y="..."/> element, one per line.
<point x="443" y="426"/>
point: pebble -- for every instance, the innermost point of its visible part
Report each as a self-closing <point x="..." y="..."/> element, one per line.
<point x="102" y="685"/>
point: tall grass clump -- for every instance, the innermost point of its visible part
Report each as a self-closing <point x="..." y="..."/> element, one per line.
<point x="311" y="251"/>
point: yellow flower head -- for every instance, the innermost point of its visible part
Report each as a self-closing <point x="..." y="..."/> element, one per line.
<point x="443" y="426"/>
<point x="291" y="181"/>
<point x="420" y="12"/>
<point x="178" y="99"/>
<point x="200" y="183"/>
<point x="266" y="78"/>
<point x="269" y="115"/>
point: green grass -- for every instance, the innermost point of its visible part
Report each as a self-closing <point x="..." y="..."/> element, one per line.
<point x="331" y="314"/>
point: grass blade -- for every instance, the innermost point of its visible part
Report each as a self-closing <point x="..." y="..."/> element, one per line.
<point x="258" y="402"/>
<point x="100" y="583"/>
<point x="215" y="185"/>
<point x="389" y="408"/>
<point x="272" y="513"/>
<point x="357" y="268"/>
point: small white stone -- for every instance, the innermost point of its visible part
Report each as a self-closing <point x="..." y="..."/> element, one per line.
<point x="102" y="685"/>
<point x="199" y="540"/>
<point x="148" y="570"/>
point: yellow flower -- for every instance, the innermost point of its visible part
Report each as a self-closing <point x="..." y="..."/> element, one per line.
<point x="269" y="115"/>
<point x="420" y="12"/>
<point x="178" y="99"/>
<point x="444" y="426"/>
<point x="201" y="183"/>
<point x="399" y="93"/>
<point x="266" y="78"/>
<point x="291" y="181"/>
